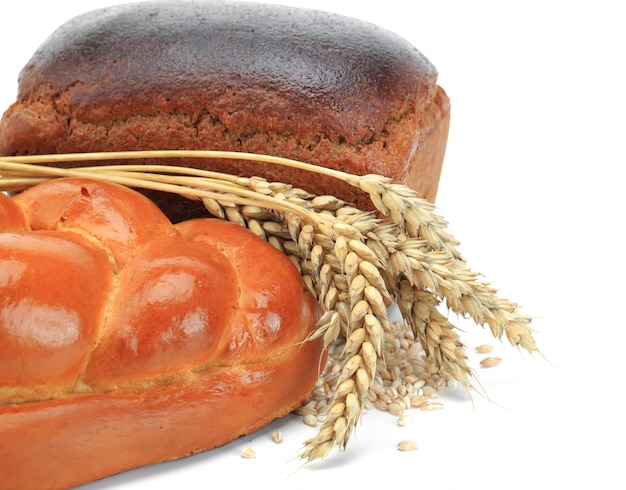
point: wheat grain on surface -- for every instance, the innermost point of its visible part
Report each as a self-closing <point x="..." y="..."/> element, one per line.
<point x="407" y="445"/>
<point x="491" y="361"/>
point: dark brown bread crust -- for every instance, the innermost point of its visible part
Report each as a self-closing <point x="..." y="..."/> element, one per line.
<point x="298" y="83"/>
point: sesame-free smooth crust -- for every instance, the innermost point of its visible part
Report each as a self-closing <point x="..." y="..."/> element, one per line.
<point x="126" y="340"/>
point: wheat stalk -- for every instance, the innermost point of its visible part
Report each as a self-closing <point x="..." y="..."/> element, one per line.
<point x="355" y="262"/>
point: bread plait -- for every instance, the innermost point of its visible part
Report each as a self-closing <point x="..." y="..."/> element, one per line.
<point x="126" y="340"/>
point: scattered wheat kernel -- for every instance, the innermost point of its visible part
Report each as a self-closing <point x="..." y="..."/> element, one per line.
<point x="429" y="391"/>
<point x="380" y="405"/>
<point x="310" y="419"/>
<point x="418" y="402"/>
<point x="490" y="361"/>
<point x="431" y="407"/>
<point x="407" y="445"/>
<point x="395" y="408"/>
<point x="248" y="453"/>
<point x="484" y="349"/>
<point x="405" y="420"/>
<point x="277" y="436"/>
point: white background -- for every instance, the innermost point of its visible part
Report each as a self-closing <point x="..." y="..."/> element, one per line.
<point x="533" y="186"/>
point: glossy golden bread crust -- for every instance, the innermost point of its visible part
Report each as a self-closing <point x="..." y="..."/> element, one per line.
<point x="126" y="340"/>
<point x="297" y="83"/>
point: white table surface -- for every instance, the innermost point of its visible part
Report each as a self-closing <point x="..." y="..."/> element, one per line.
<point x="533" y="186"/>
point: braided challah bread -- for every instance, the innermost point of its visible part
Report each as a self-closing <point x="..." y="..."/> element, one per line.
<point x="126" y="340"/>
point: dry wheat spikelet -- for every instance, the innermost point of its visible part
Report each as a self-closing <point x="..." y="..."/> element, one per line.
<point x="355" y="262"/>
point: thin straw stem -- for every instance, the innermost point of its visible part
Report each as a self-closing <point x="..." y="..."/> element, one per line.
<point x="214" y="187"/>
<point x="161" y="154"/>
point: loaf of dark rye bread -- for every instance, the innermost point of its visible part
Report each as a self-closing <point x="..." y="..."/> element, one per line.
<point x="297" y="83"/>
